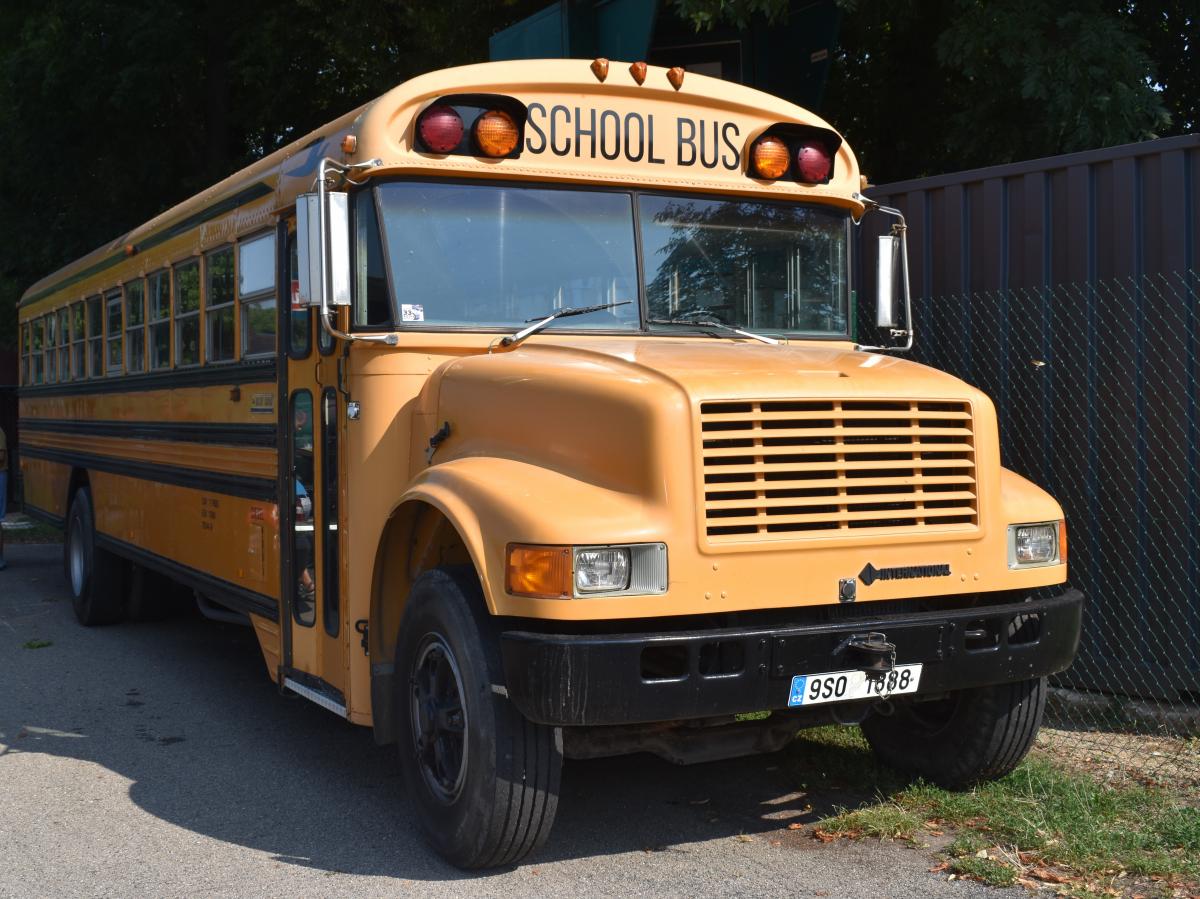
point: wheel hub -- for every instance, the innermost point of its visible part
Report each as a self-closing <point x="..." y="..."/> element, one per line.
<point x="439" y="718"/>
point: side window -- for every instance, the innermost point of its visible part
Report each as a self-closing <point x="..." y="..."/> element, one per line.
<point x="51" y="321"/>
<point x="39" y="363"/>
<point x="187" y="314"/>
<point x="78" y="342"/>
<point x="218" y="305"/>
<point x="304" y="605"/>
<point x="26" y="374"/>
<point x="95" y="337"/>
<point x="300" y="319"/>
<point x="256" y="291"/>
<point x="329" y="509"/>
<point x="159" y="288"/>
<point x="115" y="332"/>
<point x="372" y="307"/>
<point x="64" y="344"/>
<point x="135" y="326"/>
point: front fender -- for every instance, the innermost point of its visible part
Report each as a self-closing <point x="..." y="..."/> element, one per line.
<point x="493" y="502"/>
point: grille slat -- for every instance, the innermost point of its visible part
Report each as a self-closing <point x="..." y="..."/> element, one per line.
<point x="780" y="469"/>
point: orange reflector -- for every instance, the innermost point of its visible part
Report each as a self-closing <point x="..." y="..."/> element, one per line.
<point x="1062" y="541"/>
<point x="769" y="158"/>
<point x="496" y="133"/>
<point x="543" y="571"/>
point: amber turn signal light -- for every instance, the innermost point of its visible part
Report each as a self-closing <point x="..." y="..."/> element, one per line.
<point x="496" y="133"/>
<point x="541" y="571"/>
<point x="769" y="157"/>
<point x="1062" y="541"/>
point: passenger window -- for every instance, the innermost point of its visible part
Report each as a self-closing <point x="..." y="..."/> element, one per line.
<point x="78" y="342"/>
<point x="218" y="268"/>
<point x="112" y="317"/>
<point x="95" y="331"/>
<point x="135" y="326"/>
<point x="304" y="604"/>
<point x="51" y="347"/>
<point x="329" y="509"/>
<point x="160" y="320"/>
<point x="38" y="362"/>
<point x="187" y="314"/>
<point x="256" y="290"/>
<point x="300" y="318"/>
<point x="26" y="374"/>
<point x="64" y="344"/>
<point x="372" y="307"/>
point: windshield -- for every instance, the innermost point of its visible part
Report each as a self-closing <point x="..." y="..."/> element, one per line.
<point x="760" y="266"/>
<point x="494" y="256"/>
<point x="477" y="255"/>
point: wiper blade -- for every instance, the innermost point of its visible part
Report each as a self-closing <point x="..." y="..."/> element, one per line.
<point x="713" y="323"/>
<point x="565" y="312"/>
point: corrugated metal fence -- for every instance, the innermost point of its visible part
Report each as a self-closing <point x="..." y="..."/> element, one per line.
<point x="1066" y="288"/>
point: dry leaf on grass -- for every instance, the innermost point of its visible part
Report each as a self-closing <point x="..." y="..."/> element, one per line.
<point x="1046" y="875"/>
<point x="938" y="869"/>
<point x="825" y="836"/>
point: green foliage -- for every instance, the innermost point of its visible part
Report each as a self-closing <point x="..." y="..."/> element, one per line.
<point x="921" y="87"/>
<point x="112" y="111"/>
<point x="37" y="644"/>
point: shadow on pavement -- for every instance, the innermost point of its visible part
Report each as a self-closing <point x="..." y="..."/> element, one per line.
<point x="184" y="710"/>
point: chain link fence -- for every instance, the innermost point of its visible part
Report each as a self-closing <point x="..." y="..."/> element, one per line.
<point x="1096" y="389"/>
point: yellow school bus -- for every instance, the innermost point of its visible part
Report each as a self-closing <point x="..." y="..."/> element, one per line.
<point x="521" y="412"/>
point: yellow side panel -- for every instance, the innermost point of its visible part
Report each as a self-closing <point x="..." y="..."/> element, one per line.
<point x="225" y="536"/>
<point x="45" y="485"/>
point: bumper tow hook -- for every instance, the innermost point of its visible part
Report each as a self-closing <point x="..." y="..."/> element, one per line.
<point x="870" y="653"/>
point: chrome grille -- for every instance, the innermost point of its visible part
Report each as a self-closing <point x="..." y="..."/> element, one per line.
<point x="780" y="469"/>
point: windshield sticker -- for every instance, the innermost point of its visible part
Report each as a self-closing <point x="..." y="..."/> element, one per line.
<point x="575" y="131"/>
<point x="412" y="312"/>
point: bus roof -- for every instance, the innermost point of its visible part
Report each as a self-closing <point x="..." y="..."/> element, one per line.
<point x="580" y="129"/>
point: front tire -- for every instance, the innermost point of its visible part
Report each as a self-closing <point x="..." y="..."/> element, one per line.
<point x="970" y="736"/>
<point x="485" y="780"/>
<point x="94" y="574"/>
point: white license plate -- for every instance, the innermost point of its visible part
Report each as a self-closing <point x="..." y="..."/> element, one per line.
<point x="844" y="686"/>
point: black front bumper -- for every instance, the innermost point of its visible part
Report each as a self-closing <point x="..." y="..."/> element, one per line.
<point x="569" y="679"/>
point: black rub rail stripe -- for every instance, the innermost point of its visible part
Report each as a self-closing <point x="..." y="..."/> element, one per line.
<point x="228" y="594"/>
<point x="208" y="213"/>
<point x="195" y="478"/>
<point x="226" y="433"/>
<point x="208" y="376"/>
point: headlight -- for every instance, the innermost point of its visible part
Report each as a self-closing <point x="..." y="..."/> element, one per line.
<point x="601" y="570"/>
<point x="1033" y="544"/>
<point x="564" y="572"/>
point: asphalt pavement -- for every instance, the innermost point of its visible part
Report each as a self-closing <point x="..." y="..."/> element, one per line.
<point x="157" y="759"/>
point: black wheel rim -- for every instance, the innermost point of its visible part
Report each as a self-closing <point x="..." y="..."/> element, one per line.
<point x="933" y="716"/>
<point x="439" y="718"/>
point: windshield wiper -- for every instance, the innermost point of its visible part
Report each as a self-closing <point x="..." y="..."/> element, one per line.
<point x="713" y="323"/>
<point x="565" y="312"/>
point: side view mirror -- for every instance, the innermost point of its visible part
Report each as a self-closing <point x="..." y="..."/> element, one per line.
<point x="331" y="248"/>
<point x="888" y="267"/>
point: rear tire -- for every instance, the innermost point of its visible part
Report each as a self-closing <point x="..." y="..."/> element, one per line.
<point x="95" y="575"/>
<point x="970" y="736"/>
<point x="485" y="780"/>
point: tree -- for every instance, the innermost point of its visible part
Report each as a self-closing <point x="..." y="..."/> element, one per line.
<point x="921" y="87"/>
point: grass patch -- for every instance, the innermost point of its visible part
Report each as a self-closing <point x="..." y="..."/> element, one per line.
<point x="1042" y="817"/>
<point x="37" y="532"/>
<point x="37" y="644"/>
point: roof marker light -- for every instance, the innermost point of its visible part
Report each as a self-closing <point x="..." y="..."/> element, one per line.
<point x="638" y="71"/>
<point x="440" y="128"/>
<point x="600" y="68"/>
<point x="675" y="76"/>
